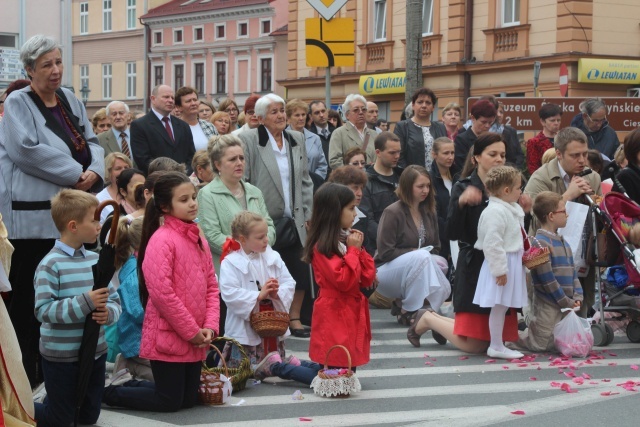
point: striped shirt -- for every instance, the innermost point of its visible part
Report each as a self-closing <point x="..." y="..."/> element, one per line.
<point x="557" y="280"/>
<point x="62" y="282"/>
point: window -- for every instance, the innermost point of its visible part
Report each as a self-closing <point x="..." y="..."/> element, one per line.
<point x="221" y="77"/>
<point x="106" y="15"/>
<point x="510" y="12"/>
<point x="177" y="36"/>
<point x="84" y="18"/>
<point x="380" y="20"/>
<point x="131" y="14"/>
<point x="243" y="29"/>
<point x="158" y="75"/>
<point x="198" y="80"/>
<point x="84" y="76"/>
<point x="157" y="37"/>
<point x="427" y="17"/>
<point x="106" y="81"/>
<point x="220" y="32"/>
<point x="265" y="74"/>
<point x="9" y="40"/>
<point x="131" y="79"/>
<point x="198" y="34"/>
<point x="265" y="27"/>
<point x="178" y="76"/>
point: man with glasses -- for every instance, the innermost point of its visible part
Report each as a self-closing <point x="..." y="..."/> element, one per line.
<point x="592" y="120"/>
<point x="354" y="133"/>
<point x="560" y="175"/>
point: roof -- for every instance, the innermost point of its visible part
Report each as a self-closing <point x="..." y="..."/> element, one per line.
<point x="179" y="7"/>
<point x="281" y="31"/>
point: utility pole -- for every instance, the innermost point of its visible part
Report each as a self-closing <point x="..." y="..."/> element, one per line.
<point x="414" y="48"/>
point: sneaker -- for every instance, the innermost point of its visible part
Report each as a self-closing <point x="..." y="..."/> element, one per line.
<point x="263" y="369"/>
<point x="39" y="394"/>
<point x="119" y="378"/>
<point x="504" y="354"/>
<point x="292" y="360"/>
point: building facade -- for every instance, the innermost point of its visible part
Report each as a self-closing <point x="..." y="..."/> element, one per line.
<point x="473" y="48"/>
<point x="222" y="48"/>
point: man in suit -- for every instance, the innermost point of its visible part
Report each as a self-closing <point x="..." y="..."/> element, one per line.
<point x="321" y="125"/>
<point x="372" y="116"/>
<point x="118" y="138"/>
<point x="354" y="133"/>
<point x="159" y="134"/>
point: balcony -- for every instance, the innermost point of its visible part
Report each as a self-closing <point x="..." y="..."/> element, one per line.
<point x="430" y="50"/>
<point x="507" y="42"/>
<point x="376" y="56"/>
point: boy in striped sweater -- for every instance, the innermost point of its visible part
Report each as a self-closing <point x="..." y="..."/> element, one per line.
<point x="63" y="299"/>
<point x="555" y="283"/>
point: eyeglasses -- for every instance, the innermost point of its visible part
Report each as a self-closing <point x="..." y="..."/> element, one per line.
<point x="250" y="112"/>
<point x="597" y="121"/>
<point x="231" y="110"/>
<point x="563" y="211"/>
<point x="360" y="163"/>
<point x="359" y="110"/>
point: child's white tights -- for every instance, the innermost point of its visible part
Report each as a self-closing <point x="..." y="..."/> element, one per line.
<point x="496" y="326"/>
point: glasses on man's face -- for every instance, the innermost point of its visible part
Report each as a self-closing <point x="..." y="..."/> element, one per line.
<point x="231" y="110"/>
<point x="358" y="163"/>
<point x="359" y="110"/>
<point x="597" y="121"/>
<point x="563" y="211"/>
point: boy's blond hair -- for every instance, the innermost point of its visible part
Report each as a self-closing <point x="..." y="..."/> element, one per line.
<point x="71" y="205"/>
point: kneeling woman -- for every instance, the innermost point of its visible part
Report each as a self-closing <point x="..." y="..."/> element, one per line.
<point x="407" y="269"/>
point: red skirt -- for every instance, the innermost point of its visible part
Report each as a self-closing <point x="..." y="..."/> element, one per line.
<point x="475" y="325"/>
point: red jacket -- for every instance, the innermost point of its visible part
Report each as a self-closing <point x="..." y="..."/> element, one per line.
<point x="341" y="312"/>
<point x="536" y="147"/>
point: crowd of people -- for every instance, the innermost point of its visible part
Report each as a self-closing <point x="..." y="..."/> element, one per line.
<point x="282" y="207"/>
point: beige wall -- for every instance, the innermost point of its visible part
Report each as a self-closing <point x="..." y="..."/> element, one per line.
<point x="615" y="27"/>
<point x="542" y="17"/>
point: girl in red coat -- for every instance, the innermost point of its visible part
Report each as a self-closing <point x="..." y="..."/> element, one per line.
<point x="341" y="267"/>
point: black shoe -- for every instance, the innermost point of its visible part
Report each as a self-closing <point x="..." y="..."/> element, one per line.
<point x="300" y="333"/>
<point x="439" y="338"/>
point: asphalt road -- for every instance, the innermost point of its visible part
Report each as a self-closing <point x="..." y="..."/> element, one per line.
<point x="431" y="386"/>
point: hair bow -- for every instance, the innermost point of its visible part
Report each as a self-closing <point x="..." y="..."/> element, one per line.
<point x="229" y="246"/>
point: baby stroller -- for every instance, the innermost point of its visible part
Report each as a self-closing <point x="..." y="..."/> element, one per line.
<point x="618" y="213"/>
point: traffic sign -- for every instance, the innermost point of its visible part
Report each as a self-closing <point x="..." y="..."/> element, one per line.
<point x="564" y="80"/>
<point x="327" y="8"/>
<point x="330" y="43"/>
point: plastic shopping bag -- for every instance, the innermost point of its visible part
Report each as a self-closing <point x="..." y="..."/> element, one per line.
<point x="572" y="335"/>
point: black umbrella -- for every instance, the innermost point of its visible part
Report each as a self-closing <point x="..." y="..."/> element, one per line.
<point x="103" y="271"/>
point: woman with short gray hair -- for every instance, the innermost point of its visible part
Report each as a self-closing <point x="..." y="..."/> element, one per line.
<point x="592" y="120"/>
<point x="49" y="145"/>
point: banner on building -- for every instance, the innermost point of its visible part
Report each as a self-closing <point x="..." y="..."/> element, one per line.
<point x="383" y="84"/>
<point x="611" y="71"/>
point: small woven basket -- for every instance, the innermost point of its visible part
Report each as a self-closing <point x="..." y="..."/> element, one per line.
<point x="335" y="385"/>
<point x="239" y="375"/>
<point x="270" y="323"/>
<point x="212" y="390"/>
<point x="535" y="255"/>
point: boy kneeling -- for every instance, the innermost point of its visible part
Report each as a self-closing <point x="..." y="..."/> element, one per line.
<point x="555" y="283"/>
<point x="64" y="298"/>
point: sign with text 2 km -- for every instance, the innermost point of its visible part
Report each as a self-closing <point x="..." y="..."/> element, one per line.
<point x="327" y="8"/>
<point x="330" y="43"/>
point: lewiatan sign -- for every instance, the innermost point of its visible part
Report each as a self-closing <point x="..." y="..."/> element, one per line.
<point x="612" y="71"/>
<point x="382" y="84"/>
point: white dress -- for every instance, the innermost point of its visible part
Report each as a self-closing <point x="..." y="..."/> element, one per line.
<point x="501" y="239"/>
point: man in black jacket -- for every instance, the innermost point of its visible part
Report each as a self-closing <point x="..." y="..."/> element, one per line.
<point x="321" y="126"/>
<point x="159" y="134"/>
<point x="379" y="192"/>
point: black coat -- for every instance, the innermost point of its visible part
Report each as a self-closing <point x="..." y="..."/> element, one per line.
<point x="412" y="141"/>
<point x="150" y="140"/>
<point x="325" y="142"/>
<point x="462" y="225"/>
<point x="629" y="177"/>
<point x="442" y="208"/>
<point x="463" y="144"/>
<point x="514" y="155"/>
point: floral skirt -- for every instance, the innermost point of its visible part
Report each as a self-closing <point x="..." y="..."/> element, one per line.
<point x="233" y="357"/>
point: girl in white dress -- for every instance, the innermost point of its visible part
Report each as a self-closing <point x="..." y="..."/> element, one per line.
<point x="501" y="283"/>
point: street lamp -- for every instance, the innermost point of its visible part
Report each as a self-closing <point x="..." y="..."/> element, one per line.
<point x="85" y="94"/>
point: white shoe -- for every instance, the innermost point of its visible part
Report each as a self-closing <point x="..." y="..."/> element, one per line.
<point x="504" y="354"/>
<point x="120" y="363"/>
<point x="39" y="394"/>
<point x="119" y="378"/>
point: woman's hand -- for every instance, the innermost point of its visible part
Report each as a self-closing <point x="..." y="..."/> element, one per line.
<point x="471" y="196"/>
<point x="501" y="280"/>
<point x="525" y="202"/>
<point x="86" y="180"/>
<point x="355" y="238"/>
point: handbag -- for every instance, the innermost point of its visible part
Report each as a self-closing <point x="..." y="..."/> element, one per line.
<point x="286" y="229"/>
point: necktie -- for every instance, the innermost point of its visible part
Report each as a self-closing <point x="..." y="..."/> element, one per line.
<point x="125" y="145"/>
<point x="325" y="133"/>
<point x="168" y="128"/>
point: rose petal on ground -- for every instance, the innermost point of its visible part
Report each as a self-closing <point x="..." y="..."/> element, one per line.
<point x="505" y="367"/>
<point x="490" y="361"/>
<point x="428" y="363"/>
<point x="463" y="357"/>
<point x="613" y="354"/>
<point x="522" y="365"/>
<point x="586" y="376"/>
<point x="578" y="380"/>
<point x="593" y="382"/>
<point x="555" y="384"/>
<point x="567" y="388"/>
<point x="634" y="367"/>
<point x="305" y="419"/>
<point x="606" y="380"/>
<point x="612" y="364"/>
<point x="569" y="374"/>
<point x="533" y="378"/>
<point x="539" y="368"/>
<point x="518" y="412"/>
<point x="609" y="393"/>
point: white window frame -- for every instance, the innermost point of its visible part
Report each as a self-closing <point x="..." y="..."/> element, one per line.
<point x="153" y="42"/>
<point x="226" y="76"/>
<point x="84" y="18"/>
<point x="204" y="76"/>
<point x="427" y="14"/>
<point x="376" y="8"/>
<point x="175" y="31"/>
<point x="238" y="23"/>
<point x="509" y="21"/>
<point x="107" y="81"/>
<point x="132" y="79"/>
<point x="84" y="75"/>
<point x="154" y="66"/>
<point x="270" y="26"/>
<point x="259" y="59"/>
<point x="236" y="73"/>
<point x="131" y="14"/>
<point x="215" y="35"/>
<point x="107" y="16"/>
<point x="200" y="27"/>
<point x="173" y="74"/>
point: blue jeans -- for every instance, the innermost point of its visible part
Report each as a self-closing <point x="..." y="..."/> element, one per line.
<point x="60" y="381"/>
<point x="305" y="373"/>
<point x="176" y="387"/>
